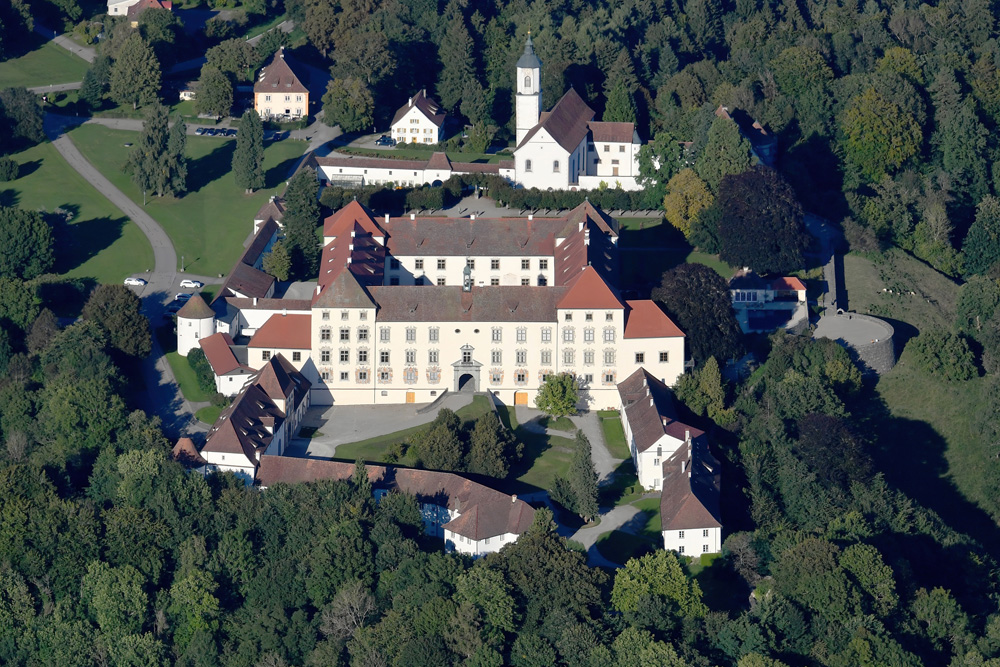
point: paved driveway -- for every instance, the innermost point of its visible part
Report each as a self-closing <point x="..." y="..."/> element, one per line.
<point x="341" y="424"/>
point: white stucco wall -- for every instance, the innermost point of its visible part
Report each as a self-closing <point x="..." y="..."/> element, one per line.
<point x="694" y="542"/>
<point x="189" y="332"/>
<point x="279" y="103"/>
<point x="415" y="127"/>
<point x="510" y="271"/>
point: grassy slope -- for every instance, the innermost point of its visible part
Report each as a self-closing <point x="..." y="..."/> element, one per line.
<point x="210" y="223"/>
<point x="99" y="242"/>
<point x="614" y="434"/>
<point x="930" y="447"/>
<point x="45" y="64"/>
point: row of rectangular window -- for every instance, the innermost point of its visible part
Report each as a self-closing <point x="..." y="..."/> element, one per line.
<point x="496" y="335"/>
<point x="704" y="549"/>
<point x="418" y="264"/>
<point x="442" y="281"/>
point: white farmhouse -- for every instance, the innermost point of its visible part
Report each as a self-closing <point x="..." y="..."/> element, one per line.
<point x="419" y="121"/>
<point x="673" y="458"/>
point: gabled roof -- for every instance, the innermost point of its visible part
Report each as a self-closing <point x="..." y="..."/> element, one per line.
<point x="348" y="217"/>
<point x="528" y="59"/>
<point x="649" y="408"/>
<point x="483" y="511"/>
<point x="425" y="105"/>
<point x="449" y="303"/>
<point x="566" y="123"/>
<point x="281" y="381"/>
<point x="344" y="292"/>
<point x="691" y="489"/>
<point x="439" y="161"/>
<point x="278" y="77"/>
<point x="590" y="291"/>
<point x="241" y="428"/>
<point x="141" y="6"/>
<point x="587" y="212"/>
<point x="195" y="309"/>
<point x="247" y="281"/>
<point x="644" y="319"/>
<point x="274" y="209"/>
<point x="185" y="453"/>
<point x="614" y="133"/>
<point x="788" y="283"/>
<point x="281" y="331"/>
<point x="218" y="351"/>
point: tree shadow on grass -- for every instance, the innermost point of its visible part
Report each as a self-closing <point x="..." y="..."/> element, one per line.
<point x="84" y="240"/>
<point x="28" y="168"/>
<point x="277" y="175"/>
<point x="9" y="198"/>
<point x="211" y="167"/>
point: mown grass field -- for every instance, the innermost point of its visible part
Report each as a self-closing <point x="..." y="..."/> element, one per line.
<point x="209" y="224"/>
<point x="99" y="242"/>
<point x="44" y="64"/>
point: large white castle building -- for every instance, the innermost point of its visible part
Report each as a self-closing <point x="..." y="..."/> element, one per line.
<point x="406" y="308"/>
<point x="561" y="149"/>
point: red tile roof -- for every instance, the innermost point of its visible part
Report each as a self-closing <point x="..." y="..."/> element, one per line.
<point x="141" y="6"/>
<point x="590" y="291"/>
<point x="220" y="355"/>
<point x="449" y="303"/>
<point x="284" y="332"/>
<point x="427" y="106"/>
<point x="788" y="283"/>
<point x="344" y="221"/>
<point x="185" y="453"/>
<point x="644" y="319"/>
<point x="281" y="381"/>
<point x="439" y="161"/>
<point x="195" y="309"/>
<point x="619" y="133"/>
<point x="483" y="511"/>
<point x="277" y="76"/>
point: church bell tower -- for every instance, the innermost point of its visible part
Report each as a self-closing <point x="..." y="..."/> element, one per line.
<point x="528" y="105"/>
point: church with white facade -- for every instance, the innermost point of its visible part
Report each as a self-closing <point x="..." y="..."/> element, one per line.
<point x="564" y="148"/>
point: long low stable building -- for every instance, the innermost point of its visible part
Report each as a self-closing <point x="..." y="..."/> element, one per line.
<point x="470" y="517"/>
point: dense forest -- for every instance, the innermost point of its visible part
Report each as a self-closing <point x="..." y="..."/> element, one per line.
<point x="886" y="116"/>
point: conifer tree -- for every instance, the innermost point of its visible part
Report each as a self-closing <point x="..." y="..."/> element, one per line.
<point x="726" y="152"/>
<point x="248" y="159"/>
<point x="176" y="160"/>
<point x="146" y="161"/>
<point x="456" y="58"/>
<point x="583" y="478"/>
<point x="215" y="95"/>
<point x="301" y="219"/>
<point x="620" y="107"/>
<point x="135" y="76"/>
<point x="277" y="262"/>
<point x="96" y="81"/>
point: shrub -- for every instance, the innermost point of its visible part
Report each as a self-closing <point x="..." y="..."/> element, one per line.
<point x="8" y="169"/>
<point x="203" y="371"/>
<point x="944" y="354"/>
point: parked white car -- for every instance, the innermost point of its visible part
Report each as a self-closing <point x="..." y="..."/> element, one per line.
<point x="192" y="284"/>
<point x="135" y="282"/>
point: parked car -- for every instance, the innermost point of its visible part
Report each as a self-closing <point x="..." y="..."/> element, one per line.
<point x="192" y="284"/>
<point x="210" y="132"/>
<point x="230" y="132"/>
<point x="182" y="297"/>
<point x="385" y="141"/>
<point x="200" y="131"/>
<point x="135" y="282"/>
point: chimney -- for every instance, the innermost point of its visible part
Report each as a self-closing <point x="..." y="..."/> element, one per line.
<point x="411" y="102"/>
<point x="284" y="312"/>
<point x="255" y="301"/>
<point x="651" y="404"/>
<point x="687" y="436"/>
<point x="579" y="227"/>
<point x="472" y="217"/>
<point x="317" y="290"/>
<point x="413" y="216"/>
<point x="664" y="420"/>
<point x="513" y="498"/>
<point x="387" y="218"/>
<point x="684" y="466"/>
<point x="531" y="216"/>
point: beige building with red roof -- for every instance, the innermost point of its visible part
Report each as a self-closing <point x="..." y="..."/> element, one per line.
<point x="231" y="372"/>
<point x="471" y="518"/>
<point x="763" y="305"/>
<point x="419" y="121"/>
<point x="673" y="458"/>
<point x="407" y="308"/>
<point x="278" y="93"/>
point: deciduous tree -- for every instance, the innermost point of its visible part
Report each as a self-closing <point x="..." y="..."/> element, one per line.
<point x="21" y="115"/>
<point x="879" y="136"/>
<point x="135" y="75"/>
<point x="697" y="299"/>
<point x="215" y="93"/>
<point x="236" y="57"/>
<point x="277" y="262"/>
<point x="558" y="395"/>
<point x="348" y="103"/>
<point x="118" y="311"/>
<point x="761" y="225"/>
<point x="687" y="196"/>
<point x="441" y="447"/>
<point x="29" y="248"/>
<point x="657" y="574"/>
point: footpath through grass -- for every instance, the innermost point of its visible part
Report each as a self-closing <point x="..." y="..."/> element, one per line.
<point x="99" y="242"/>
<point x="44" y="64"/>
<point x="209" y="224"/>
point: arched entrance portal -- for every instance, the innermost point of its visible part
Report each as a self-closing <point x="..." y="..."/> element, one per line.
<point x="467" y="383"/>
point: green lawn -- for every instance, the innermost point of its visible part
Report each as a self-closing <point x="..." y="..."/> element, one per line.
<point x="210" y="223"/>
<point x="44" y="65"/>
<point x="620" y="547"/>
<point x="932" y="303"/>
<point x="99" y="242"/>
<point x="559" y="424"/>
<point x="208" y="414"/>
<point x="653" y="529"/>
<point x="614" y="434"/>
<point x="186" y="378"/>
